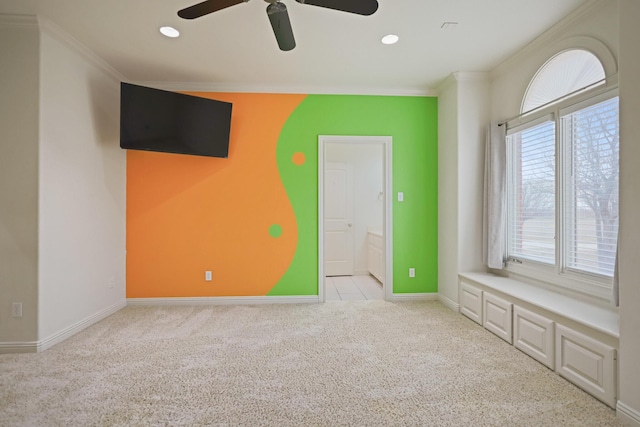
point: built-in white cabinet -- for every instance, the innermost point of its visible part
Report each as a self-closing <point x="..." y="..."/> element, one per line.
<point x="546" y="330"/>
<point x="533" y="335"/>
<point x="471" y="302"/>
<point x="496" y="316"/>
<point x="586" y="362"/>
<point x="375" y="256"/>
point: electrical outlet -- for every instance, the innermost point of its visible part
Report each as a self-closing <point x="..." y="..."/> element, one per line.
<point x="412" y="272"/>
<point x="207" y="276"/>
<point x="111" y="283"/>
<point x="16" y="309"/>
<point x="400" y="196"/>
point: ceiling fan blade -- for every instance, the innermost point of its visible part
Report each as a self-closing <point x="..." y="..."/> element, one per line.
<point x="281" y="25"/>
<point x="361" y="7"/>
<point x="207" y="7"/>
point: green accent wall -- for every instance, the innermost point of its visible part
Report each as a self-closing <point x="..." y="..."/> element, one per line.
<point x="412" y="122"/>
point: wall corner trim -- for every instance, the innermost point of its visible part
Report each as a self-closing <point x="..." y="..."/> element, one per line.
<point x="421" y="296"/>
<point x="627" y="414"/>
<point x="449" y="303"/>
<point x="295" y="299"/>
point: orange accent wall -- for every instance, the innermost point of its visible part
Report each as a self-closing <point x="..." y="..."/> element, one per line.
<point x="189" y="214"/>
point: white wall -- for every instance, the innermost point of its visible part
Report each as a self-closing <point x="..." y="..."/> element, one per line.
<point x="462" y="120"/>
<point x="615" y="25"/>
<point x="473" y="117"/>
<point x="629" y="399"/>
<point x="448" y="189"/>
<point x="367" y="162"/>
<point x="19" y="75"/>
<point x="82" y="190"/>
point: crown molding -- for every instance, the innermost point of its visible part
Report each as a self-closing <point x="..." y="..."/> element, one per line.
<point x="547" y="37"/>
<point x="306" y="90"/>
<point x="18" y="21"/>
<point x="448" y="81"/>
<point x="462" y="76"/>
<point x="62" y="36"/>
<point x="471" y="75"/>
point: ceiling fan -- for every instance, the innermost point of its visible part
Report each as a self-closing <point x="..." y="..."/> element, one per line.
<point x="277" y="12"/>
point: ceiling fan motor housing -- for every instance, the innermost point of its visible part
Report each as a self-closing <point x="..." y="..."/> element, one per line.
<point x="278" y="16"/>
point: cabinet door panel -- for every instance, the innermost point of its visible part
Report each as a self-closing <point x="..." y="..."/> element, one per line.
<point x="587" y="363"/>
<point x="533" y="334"/>
<point x="497" y="316"/>
<point x="471" y="302"/>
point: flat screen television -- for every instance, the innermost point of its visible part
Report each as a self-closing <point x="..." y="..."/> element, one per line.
<point x="170" y="122"/>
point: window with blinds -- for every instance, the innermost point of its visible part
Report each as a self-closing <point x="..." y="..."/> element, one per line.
<point x="562" y="189"/>
<point x="531" y="193"/>
<point x="589" y="137"/>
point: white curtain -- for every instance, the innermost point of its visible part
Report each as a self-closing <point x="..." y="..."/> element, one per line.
<point x="495" y="196"/>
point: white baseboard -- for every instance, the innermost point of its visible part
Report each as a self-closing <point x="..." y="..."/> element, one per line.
<point x="302" y="299"/>
<point x="79" y="326"/>
<point x="627" y="414"/>
<point x="448" y="302"/>
<point x="58" y="337"/>
<point x="422" y="296"/>
<point x="18" y="347"/>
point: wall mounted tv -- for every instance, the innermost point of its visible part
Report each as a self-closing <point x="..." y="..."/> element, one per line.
<point x="169" y="122"/>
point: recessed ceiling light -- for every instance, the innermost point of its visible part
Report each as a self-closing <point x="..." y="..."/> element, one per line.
<point x="390" y="39"/>
<point x="170" y="32"/>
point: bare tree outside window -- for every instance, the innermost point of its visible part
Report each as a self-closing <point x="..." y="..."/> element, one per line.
<point x="593" y="148"/>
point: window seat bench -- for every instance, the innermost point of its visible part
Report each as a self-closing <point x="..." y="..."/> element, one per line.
<point x="598" y="318"/>
<point x="575" y="338"/>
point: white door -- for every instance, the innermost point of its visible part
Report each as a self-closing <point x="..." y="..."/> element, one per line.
<point x="338" y="219"/>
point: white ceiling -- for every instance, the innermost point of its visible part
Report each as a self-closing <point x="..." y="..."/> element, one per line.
<point x="336" y="52"/>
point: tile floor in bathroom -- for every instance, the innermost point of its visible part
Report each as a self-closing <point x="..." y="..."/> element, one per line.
<point x="352" y="288"/>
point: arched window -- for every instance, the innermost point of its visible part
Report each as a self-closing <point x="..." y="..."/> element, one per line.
<point x="565" y="73"/>
<point x="562" y="174"/>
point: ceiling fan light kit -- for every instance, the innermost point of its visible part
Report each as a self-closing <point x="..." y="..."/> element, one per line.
<point x="278" y="15"/>
<point x="281" y="25"/>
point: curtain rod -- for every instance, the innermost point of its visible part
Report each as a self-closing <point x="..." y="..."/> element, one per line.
<point x="553" y="101"/>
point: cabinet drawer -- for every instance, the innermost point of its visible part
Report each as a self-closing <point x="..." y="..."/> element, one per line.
<point x="586" y="362"/>
<point x="471" y="302"/>
<point x="496" y="316"/>
<point x="533" y="335"/>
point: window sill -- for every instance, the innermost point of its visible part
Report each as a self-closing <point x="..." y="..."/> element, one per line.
<point x="593" y="316"/>
<point x="578" y="286"/>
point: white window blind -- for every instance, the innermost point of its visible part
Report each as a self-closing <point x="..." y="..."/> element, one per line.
<point x="591" y="176"/>
<point x="531" y="193"/>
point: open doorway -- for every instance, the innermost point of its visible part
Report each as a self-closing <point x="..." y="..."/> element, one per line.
<point x="354" y="218"/>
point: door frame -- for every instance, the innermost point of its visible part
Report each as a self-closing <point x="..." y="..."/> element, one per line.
<point x="387" y="214"/>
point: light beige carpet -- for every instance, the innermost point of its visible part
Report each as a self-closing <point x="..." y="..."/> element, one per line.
<point x="358" y="363"/>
